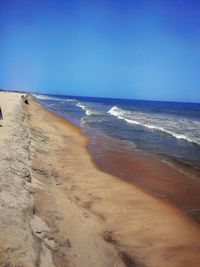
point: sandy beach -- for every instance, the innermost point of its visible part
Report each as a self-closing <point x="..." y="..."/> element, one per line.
<point x="173" y="182"/>
<point x="59" y="210"/>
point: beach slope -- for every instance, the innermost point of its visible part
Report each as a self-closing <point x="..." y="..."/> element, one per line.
<point x="59" y="209"/>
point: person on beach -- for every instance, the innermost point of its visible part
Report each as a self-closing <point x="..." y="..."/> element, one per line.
<point x="1" y="116"/>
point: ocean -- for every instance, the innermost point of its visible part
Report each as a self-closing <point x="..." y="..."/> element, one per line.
<point x="165" y="129"/>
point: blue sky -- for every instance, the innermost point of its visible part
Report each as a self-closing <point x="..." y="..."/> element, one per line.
<point x="123" y="48"/>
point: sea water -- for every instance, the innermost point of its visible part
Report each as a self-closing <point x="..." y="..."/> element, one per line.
<point x="168" y="130"/>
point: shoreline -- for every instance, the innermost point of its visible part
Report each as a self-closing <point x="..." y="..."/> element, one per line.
<point x="167" y="180"/>
<point x="81" y="216"/>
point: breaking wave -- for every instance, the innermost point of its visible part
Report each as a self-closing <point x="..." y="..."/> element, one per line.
<point x="177" y="127"/>
<point x="44" y="97"/>
<point x="88" y="111"/>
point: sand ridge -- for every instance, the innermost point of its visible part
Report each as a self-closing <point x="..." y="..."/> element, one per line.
<point x="16" y="203"/>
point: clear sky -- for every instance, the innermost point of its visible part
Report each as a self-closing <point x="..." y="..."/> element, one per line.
<point x="115" y="48"/>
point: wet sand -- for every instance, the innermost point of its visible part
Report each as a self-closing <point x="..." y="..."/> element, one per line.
<point x="81" y="216"/>
<point x="173" y="182"/>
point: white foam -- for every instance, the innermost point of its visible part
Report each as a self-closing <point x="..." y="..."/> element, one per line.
<point x="45" y="97"/>
<point x="146" y="121"/>
<point x="70" y="99"/>
<point x="85" y="108"/>
<point x="50" y="105"/>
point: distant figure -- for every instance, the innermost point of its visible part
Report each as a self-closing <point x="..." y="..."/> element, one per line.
<point x="25" y="100"/>
<point x="1" y="116"/>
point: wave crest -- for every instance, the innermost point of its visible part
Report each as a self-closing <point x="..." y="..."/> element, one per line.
<point x="85" y="108"/>
<point x="171" y="126"/>
<point x="45" y="97"/>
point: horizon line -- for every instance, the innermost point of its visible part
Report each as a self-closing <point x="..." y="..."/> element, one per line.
<point x="119" y="98"/>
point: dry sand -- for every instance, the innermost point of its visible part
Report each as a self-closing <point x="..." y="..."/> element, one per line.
<point x="17" y="244"/>
<point x="59" y="209"/>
